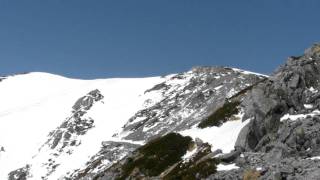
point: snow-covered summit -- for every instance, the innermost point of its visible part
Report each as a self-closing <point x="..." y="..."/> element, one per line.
<point x="54" y="127"/>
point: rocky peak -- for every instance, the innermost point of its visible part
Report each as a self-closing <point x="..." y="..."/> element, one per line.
<point x="291" y="91"/>
<point x="313" y="51"/>
<point x="286" y="90"/>
<point x="300" y="72"/>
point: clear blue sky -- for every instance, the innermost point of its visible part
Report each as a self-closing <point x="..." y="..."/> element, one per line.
<point x="134" y="38"/>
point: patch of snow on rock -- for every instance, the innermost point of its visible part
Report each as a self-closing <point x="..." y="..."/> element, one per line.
<point x="298" y="116"/>
<point x="315" y="158"/>
<point x="223" y="137"/>
<point x="231" y="93"/>
<point x="222" y="167"/>
<point x="308" y="106"/>
<point x="249" y="72"/>
<point x="313" y="90"/>
<point x="189" y="154"/>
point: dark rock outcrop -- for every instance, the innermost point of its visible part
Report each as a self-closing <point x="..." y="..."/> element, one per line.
<point x="64" y="138"/>
<point x="75" y="125"/>
<point x="20" y="174"/>
<point x="284" y="146"/>
<point x="287" y="90"/>
<point x="110" y="152"/>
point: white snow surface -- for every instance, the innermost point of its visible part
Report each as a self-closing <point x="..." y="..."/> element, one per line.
<point x="228" y="167"/>
<point x="189" y="154"/>
<point x="249" y="72"/>
<point x="313" y="90"/>
<point x="315" y="158"/>
<point x="223" y="137"/>
<point x="34" y="104"/>
<point x="308" y="106"/>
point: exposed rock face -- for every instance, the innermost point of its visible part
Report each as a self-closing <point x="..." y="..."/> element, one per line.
<point x="188" y="99"/>
<point x="285" y="144"/>
<point x="67" y="136"/>
<point x="77" y="124"/>
<point x="20" y="174"/>
<point x="286" y="154"/>
<point x="287" y="90"/>
<point x="110" y="152"/>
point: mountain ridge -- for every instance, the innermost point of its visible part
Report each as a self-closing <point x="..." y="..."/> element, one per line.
<point x="252" y="125"/>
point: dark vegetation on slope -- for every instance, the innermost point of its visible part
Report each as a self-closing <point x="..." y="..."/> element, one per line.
<point x="230" y="108"/>
<point x="221" y="115"/>
<point x="157" y="155"/>
<point x="197" y="167"/>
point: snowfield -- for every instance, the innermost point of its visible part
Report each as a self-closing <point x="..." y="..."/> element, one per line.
<point x="223" y="137"/>
<point x="34" y="104"/>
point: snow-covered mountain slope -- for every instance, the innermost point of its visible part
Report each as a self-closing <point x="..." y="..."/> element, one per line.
<point x="185" y="100"/>
<point x="35" y="104"/>
<point x="55" y="128"/>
